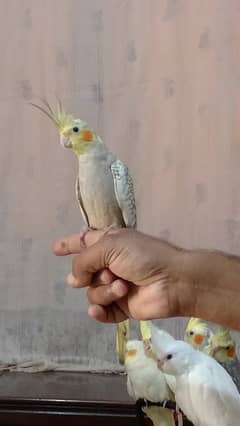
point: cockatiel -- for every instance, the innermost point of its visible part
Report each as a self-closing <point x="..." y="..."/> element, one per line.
<point x="197" y="333"/>
<point x="204" y="390"/>
<point x="222" y="347"/>
<point x="146" y="381"/>
<point x="219" y="344"/>
<point x="104" y="187"/>
<point x="145" y="328"/>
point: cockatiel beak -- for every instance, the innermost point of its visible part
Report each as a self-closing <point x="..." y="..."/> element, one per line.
<point x="160" y="362"/>
<point x="231" y="352"/>
<point x="65" y="142"/>
<point x="198" y="339"/>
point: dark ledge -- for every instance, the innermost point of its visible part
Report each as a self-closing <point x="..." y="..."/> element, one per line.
<point x="68" y="399"/>
<point x="65" y="399"/>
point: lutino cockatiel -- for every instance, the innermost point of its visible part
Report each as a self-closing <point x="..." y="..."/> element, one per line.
<point x="204" y="390"/>
<point x="146" y="381"/>
<point x="197" y="333"/>
<point x="104" y="187"/>
<point x="218" y="343"/>
<point x="222" y="347"/>
<point x="145" y="330"/>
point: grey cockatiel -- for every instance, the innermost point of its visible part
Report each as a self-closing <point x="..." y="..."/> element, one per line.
<point x="104" y="187"/>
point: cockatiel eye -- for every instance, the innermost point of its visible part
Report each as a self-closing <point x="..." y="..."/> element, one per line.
<point x="169" y="356"/>
<point x="191" y="333"/>
<point x="75" y="129"/>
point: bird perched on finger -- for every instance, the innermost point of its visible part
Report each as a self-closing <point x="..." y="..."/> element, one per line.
<point x="205" y="392"/>
<point x="104" y="187"/>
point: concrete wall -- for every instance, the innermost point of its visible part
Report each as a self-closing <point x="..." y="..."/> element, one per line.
<point x="159" y="80"/>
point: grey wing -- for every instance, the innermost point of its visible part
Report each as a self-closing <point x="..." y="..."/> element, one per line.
<point x="124" y="192"/>
<point x="80" y="202"/>
<point x="233" y="368"/>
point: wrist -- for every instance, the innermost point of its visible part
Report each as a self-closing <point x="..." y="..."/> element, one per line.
<point x="208" y="286"/>
<point x="186" y="292"/>
<point x="174" y="271"/>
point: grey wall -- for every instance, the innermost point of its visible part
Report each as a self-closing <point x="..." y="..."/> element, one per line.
<point x="159" y="80"/>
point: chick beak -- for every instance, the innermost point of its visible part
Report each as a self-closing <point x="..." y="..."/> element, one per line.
<point x="160" y="363"/>
<point x="65" y="142"/>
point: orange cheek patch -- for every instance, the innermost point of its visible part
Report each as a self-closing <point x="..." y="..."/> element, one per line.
<point x="198" y="339"/>
<point x="86" y="135"/>
<point x="132" y="352"/>
<point x="231" y="353"/>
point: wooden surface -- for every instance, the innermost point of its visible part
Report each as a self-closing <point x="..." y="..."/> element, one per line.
<point x="65" y="398"/>
<point x="159" y="80"/>
<point x="88" y="387"/>
<point x="68" y="398"/>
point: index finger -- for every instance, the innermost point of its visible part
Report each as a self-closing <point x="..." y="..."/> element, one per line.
<point x="73" y="244"/>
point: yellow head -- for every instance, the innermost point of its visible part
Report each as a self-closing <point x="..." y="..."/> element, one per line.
<point x="222" y="347"/>
<point x="74" y="133"/>
<point x="134" y="352"/>
<point x="197" y="333"/>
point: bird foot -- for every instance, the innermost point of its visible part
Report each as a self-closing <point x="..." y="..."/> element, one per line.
<point x="82" y="235"/>
<point x="179" y="416"/>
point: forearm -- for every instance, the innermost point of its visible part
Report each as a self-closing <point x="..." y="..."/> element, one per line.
<point x="211" y="286"/>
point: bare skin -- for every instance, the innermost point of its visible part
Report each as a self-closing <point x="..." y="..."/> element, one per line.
<point x="133" y="275"/>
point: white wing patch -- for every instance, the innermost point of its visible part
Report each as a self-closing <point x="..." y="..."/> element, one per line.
<point x="124" y="191"/>
<point x="80" y="203"/>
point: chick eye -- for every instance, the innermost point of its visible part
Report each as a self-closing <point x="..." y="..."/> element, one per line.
<point x="191" y="333"/>
<point x="169" y="356"/>
<point x="75" y="129"/>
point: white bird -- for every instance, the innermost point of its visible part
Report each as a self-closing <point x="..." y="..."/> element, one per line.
<point x="145" y="380"/>
<point x="205" y="392"/>
<point x="145" y="327"/>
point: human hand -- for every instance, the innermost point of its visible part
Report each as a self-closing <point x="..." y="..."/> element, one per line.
<point x="128" y="274"/>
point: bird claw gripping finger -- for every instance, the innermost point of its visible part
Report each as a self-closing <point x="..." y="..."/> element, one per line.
<point x="82" y="235"/>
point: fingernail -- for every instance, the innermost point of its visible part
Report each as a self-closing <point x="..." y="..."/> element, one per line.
<point x="72" y="281"/>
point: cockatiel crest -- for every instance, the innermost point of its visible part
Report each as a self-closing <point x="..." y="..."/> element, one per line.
<point x="74" y="133"/>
